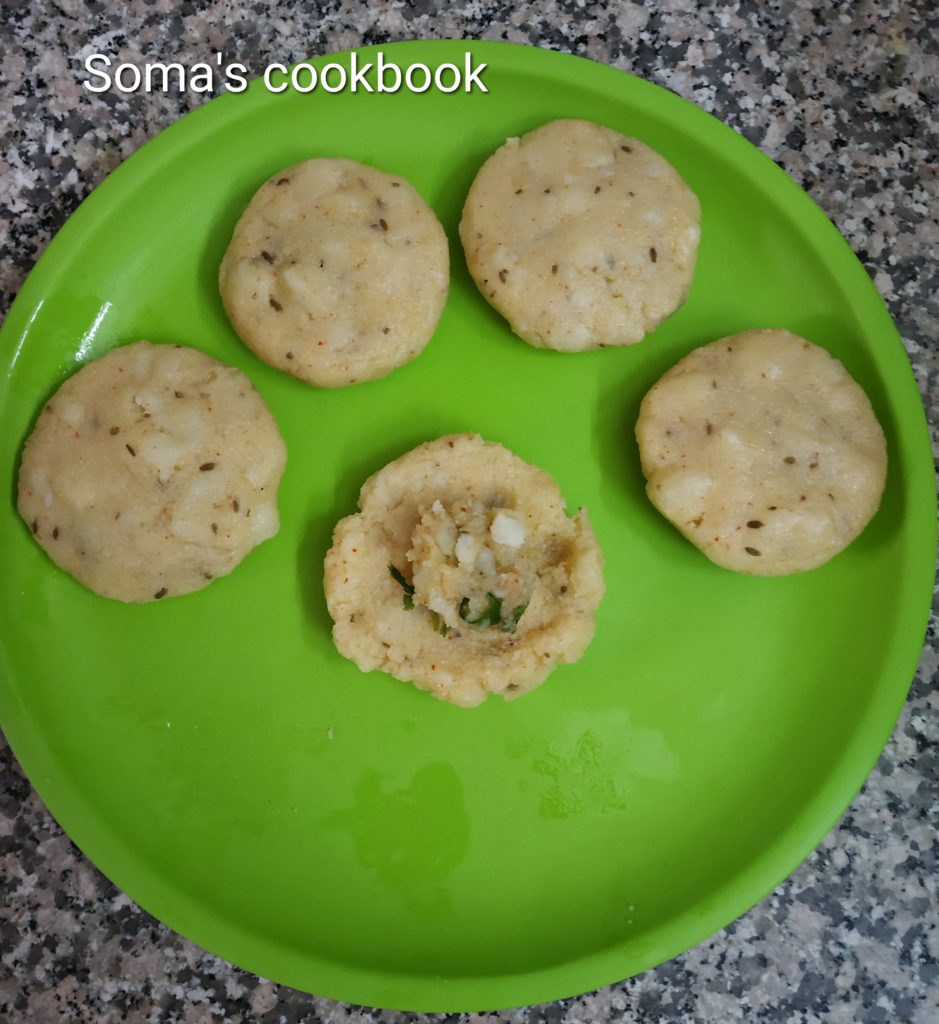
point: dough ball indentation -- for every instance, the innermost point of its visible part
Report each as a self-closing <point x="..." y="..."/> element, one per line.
<point x="463" y="574"/>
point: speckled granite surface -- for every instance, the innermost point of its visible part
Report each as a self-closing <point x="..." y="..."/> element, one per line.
<point x="845" y="96"/>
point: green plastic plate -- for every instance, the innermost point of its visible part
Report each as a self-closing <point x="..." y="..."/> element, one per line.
<point x="345" y="833"/>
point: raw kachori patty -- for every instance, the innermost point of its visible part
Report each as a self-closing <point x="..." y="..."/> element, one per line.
<point x="336" y="272"/>
<point x="151" y="471"/>
<point x="580" y="237"/>
<point x="763" y="451"/>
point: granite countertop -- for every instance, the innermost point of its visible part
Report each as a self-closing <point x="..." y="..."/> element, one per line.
<point x="845" y="97"/>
